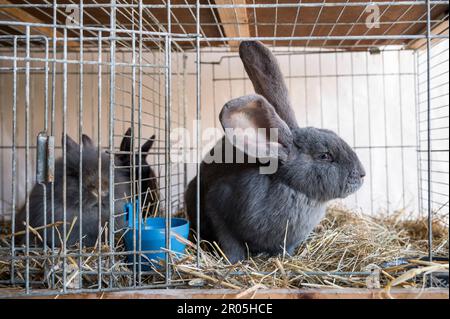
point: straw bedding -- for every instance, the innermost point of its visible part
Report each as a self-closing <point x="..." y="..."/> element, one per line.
<point x="382" y="251"/>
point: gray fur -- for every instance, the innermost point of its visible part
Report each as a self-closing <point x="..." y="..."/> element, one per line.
<point x="90" y="196"/>
<point x="241" y="208"/>
<point x="264" y="72"/>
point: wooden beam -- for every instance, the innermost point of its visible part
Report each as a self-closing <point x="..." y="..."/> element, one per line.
<point x="19" y="14"/>
<point x="346" y="293"/>
<point x="419" y="44"/>
<point x="234" y="21"/>
<point x="5" y="17"/>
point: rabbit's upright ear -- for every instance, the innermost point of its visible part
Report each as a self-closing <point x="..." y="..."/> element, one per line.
<point x="252" y="125"/>
<point x="147" y="146"/>
<point x="72" y="153"/>
<point x="125" y="148"/>
<point x="264" y="72"/>
<point x="125" y="145"/>
<point x="87" y="141"/>
<point x="71" y="145"/>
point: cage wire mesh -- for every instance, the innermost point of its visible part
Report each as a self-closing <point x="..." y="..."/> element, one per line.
<point x="375" y="72"/>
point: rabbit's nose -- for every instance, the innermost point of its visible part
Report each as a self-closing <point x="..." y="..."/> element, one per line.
<point x="361" y="171"/>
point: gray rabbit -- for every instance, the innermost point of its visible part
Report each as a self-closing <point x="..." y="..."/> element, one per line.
<point x="246" y="211"/>
<point x="91" y="195"/>
<point x="149" y="185"/>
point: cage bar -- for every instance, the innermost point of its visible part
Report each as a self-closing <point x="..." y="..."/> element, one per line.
<point x="98" y="69"/>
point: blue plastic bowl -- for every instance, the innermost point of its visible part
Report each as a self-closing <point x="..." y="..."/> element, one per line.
<point x="154" y="237"/>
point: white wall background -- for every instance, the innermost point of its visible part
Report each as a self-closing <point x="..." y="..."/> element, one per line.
<point x="439" y="128"/>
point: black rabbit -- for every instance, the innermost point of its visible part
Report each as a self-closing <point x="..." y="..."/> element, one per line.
<point x="244" y="210"/>
<point x="149" y="185"/>
<point x="91" y="195"/>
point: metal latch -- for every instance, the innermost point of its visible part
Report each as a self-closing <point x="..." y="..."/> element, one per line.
<point x="45" y="158"/>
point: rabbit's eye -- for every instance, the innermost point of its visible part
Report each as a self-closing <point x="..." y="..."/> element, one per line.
<point x="326" y="157"/>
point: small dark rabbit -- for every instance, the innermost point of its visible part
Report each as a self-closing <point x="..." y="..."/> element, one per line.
<point x="91" y="195"/>
<point x="149" y="185"/>
<point x="244" y="210"/>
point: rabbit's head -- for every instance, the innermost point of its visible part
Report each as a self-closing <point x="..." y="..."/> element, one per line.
<point x="323" y="166"/>
<point x="316" y="162"/>
<point x="93" y="188"/>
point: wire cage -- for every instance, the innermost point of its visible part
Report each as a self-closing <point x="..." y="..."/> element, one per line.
<point x="375" y="72"/>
